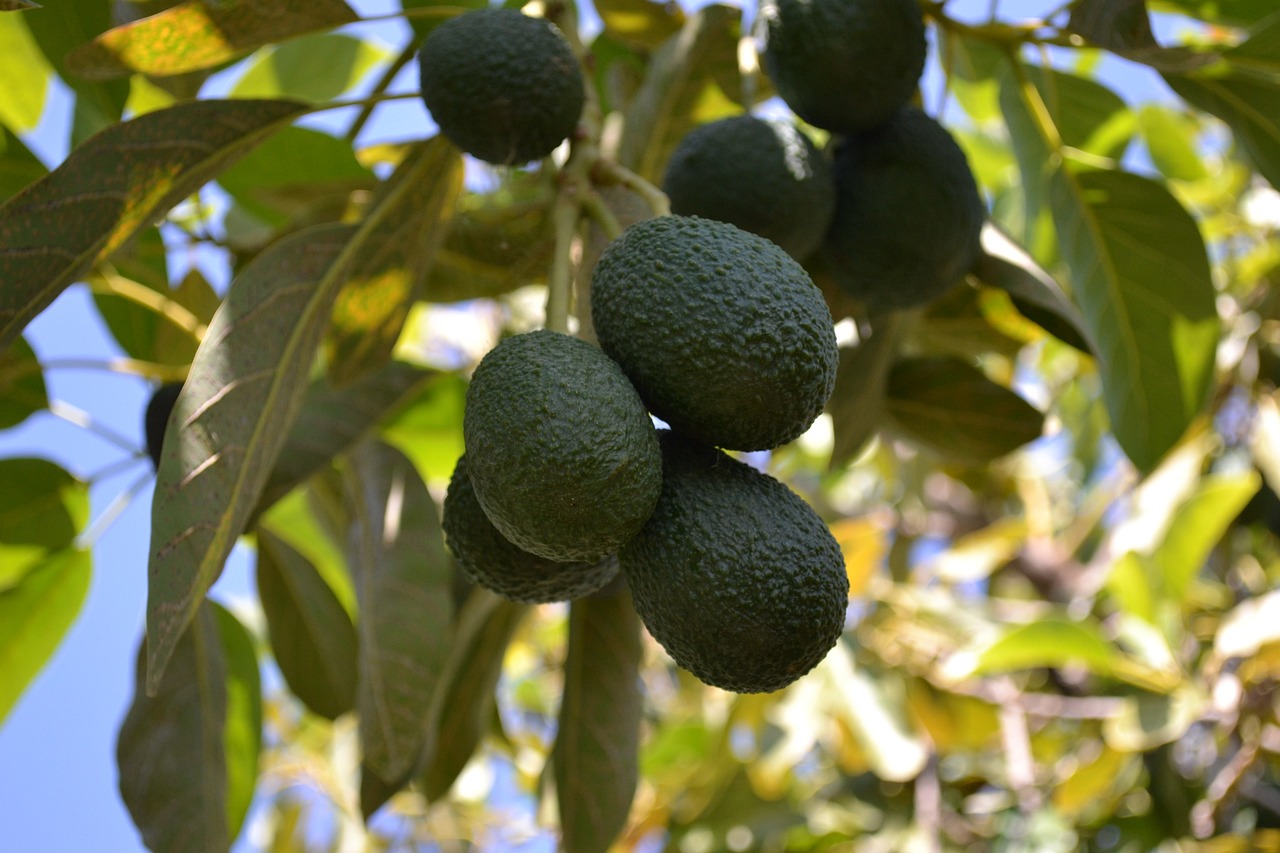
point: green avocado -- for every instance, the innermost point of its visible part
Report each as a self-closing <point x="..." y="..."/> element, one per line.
<point x="562" y="454"/>
<point x="724" y="334"/>
<point x="488" y="559"/>
<point x="762" y="175"/>
<point x="908" y="214"/>
<point x="844" y="65"/>
<point x="735" y="575"/>
<point x="502" y="86"/>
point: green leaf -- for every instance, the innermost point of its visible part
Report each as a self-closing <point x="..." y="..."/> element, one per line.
<point x="26" y="74"/>
<point x="245" y="388"/>
<point x="332" y="420"/>
<point x="316" y="68"/>
<point x="1198" y="525"/>
<point x="172" y="749"/>
<point x="1124" y="28"/>
<point x="692" y="79"/>
<point x="293" y="521"/>
<point x="242" y="733"/>
<point x="294" y="167"/>
<point x="1148" y="720"/>
<point x="951" y="407"/>
<point x="1230" y="12"/>
<point x="1170" y="136"/>
<point x="112" y="187"/>
<point x="19" y="168"/>
<point x="17" y="5"/>
<point x="34" y="617"/>
<point x="429" y="430"/>
<point x="1250" y="105"/>
<point x="42" y="509"/>
<point x="403" y="578"/>
<point x="597" y="740"/>
<point x="857" y="404"/>
<point x="466" y="694"/>
<point x="876" y="716"/>
<point x="141" y="267"/>
<point x="312" y="637"/>
<point x="196" y="34"/>
<point x="643" y="23"/>
<point x="22" y="389"/>
<point x="1088" y="115"/>
<point x="423" y="24"/>
<point x="175" y="344"/>
<point x="371" y="309"/>
<point x="1142" y="281"/>
<point x="58" y="29"/>
<point x="1047" y="642"/>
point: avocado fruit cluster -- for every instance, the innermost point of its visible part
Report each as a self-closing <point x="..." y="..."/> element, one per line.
<point x="502" y="86"/>
<point x="895" y="216"/>
<point x="565" y="482"/>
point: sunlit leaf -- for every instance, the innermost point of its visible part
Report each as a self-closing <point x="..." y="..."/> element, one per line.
<point x="312" y="637"/>
<point x="59" y="28"/>
<point x="1097" y="785"/>
<point x="864" y="543"/>
<point x="955" y="723"/>
<point x="641" y="22"/>
<point x="112" y="187"/>
<point x="1231" y="12"/>
<point x="371" y="309"/>
<point x="177" y="344"/>
<point x="1198" y="525"/>
<point x="35" y="615"/>
<point x="316" y="68"/>
<point x="1050" y="641"/>
<point x="974" y="556"/>
<point x="171" y="749"/>
<point x="878" y="720"/>
<point x="26" y="74"/>
<point x="443" y="9"/>
<point x="19" y="168"/>
<point x="429" y="429"/>
<point x="292" y="520"/>
<point x="242" y="732"/>
<point x="1148" y="720"/>
<point x="42" y="509"/>
<point x="952" y="408"/>
<point x="22" y="390"/>
<point x="1250" y="105"/>
<point x="597" y="740"/>
<point x="1170" y="138"/>
<point x="195" y="34"/>
<point x="403" y="578"/>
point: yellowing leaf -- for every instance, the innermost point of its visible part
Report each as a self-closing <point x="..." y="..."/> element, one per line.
<point x="864" y="544"/>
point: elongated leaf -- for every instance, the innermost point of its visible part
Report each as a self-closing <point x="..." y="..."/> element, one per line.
<point x="171" y="750"/>
<point x="1170" y="136"/>
<point x="42" y="509"/>
<point x="293" y="520"/>
<point x="26" y="74"/>
<point x="34" y="617"/>
<point x="857" y="403"/>
<point x="1046" y="642"/>
<point x="195" y="34"/>
<point x="245" y="388"/>
<point x="429" y="429"/>
<point x="22" y="391"/>
<point x="1231" y="12"/>
<point x="640" y="22"/>
<point x="1198" y="525"/>
<point x="1124" y="28"/>
<point x="59" y="28"/>
<point x="316" y="68"/>
<point x="332" y="420"/>
<point x="371" y="309"/>
<point x="877" y="718"/>
<point x="1250" y="105"/>
<point x="597" y="741"/>
<point x="113" y="186"/>
<point x="1143" y="284"/>
<point x="404" y="581"/>
<point x="242" y="734"/>
<point x="19" y="168"/>
<point x="312" y="637"/>
<point x="467" y="698"/>
<point x="951" y="407"/>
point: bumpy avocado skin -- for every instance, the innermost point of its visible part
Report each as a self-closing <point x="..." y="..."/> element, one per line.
<point x="156" y="418"/>
<point x="844" y="65"/>
<point x="724" y="334"/>
<point x="562" y="454"/>
<point x="488" y="559"/>
<point x="502" y="86"/>
<point x="908" y="214"/>
<point x="762" y="175"/>
<point x="735" y="575"/>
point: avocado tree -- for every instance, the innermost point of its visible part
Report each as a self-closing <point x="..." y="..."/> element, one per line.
<point x="1045" y="237"/>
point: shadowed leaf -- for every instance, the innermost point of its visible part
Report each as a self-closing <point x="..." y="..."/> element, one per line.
<point x="110" y="188"/>
<point x="312" y="638"/>
<point x="317" y="68"/>
<point x="42" y="509"/>
<point x="857" y="403"/>
<point x="61" y="27"/>
<point x="597" y="741"/>
<point x="242" y="733"/>
<point x="35" y="615"/>
<point x="22" y="391"/>
<point x="196" y="34"/>
<point x="1249" y="104"/>
<point x="403" y="579"/>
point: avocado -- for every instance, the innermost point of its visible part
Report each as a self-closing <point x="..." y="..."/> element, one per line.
<point x="908" y="214"/>
<point x="762" y="175"/>
<point x="156" y="418"/>
<point x="734" y="574"/>
<point x="488" y="559"/>
<point x="724" y="334"/>
<point x="843" y="65"/>
<point x="562" y="454"/>
<point x="502" y="86"/>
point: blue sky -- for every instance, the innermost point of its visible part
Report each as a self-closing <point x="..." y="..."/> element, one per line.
<point x="58" y="788"/>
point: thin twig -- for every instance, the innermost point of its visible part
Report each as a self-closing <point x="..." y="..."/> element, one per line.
<point x="81" y="418"/>
<point x="91" y="534"/>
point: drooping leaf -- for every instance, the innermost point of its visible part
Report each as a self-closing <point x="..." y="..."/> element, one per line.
<point x="332" y="420"/>
<point x="61" y="27"/>
<point x="1124" y="28"/>
<point x="403" y="578"/>
<point x="597" y="740"/>
<point x="371" y="309"/>
<point x="1170" y="138"/>
<point x="857" y="403"/>
<point x="466" y="695"/>
<point x="34" y="617"/>
<point x="316" y="68"/>
<point x="26" y="74"/>
<point x="171" y="750"/>
<point x="293" y="520"/>
<point x="22" y="390"/>
<point x="193" y="35"/>
<point x="1250" y="105"/>
<point x="640" y="22"/>
<point x="42" y="509"/>
<point x="692" y="79"/>
<point x="112" y="187"/>
<point x="175" y="343"/>
<point x="312" y="637"/>
<point x="429" y="429"/>
<point x="952" y="408"/>
<point x="242" y="731"/>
